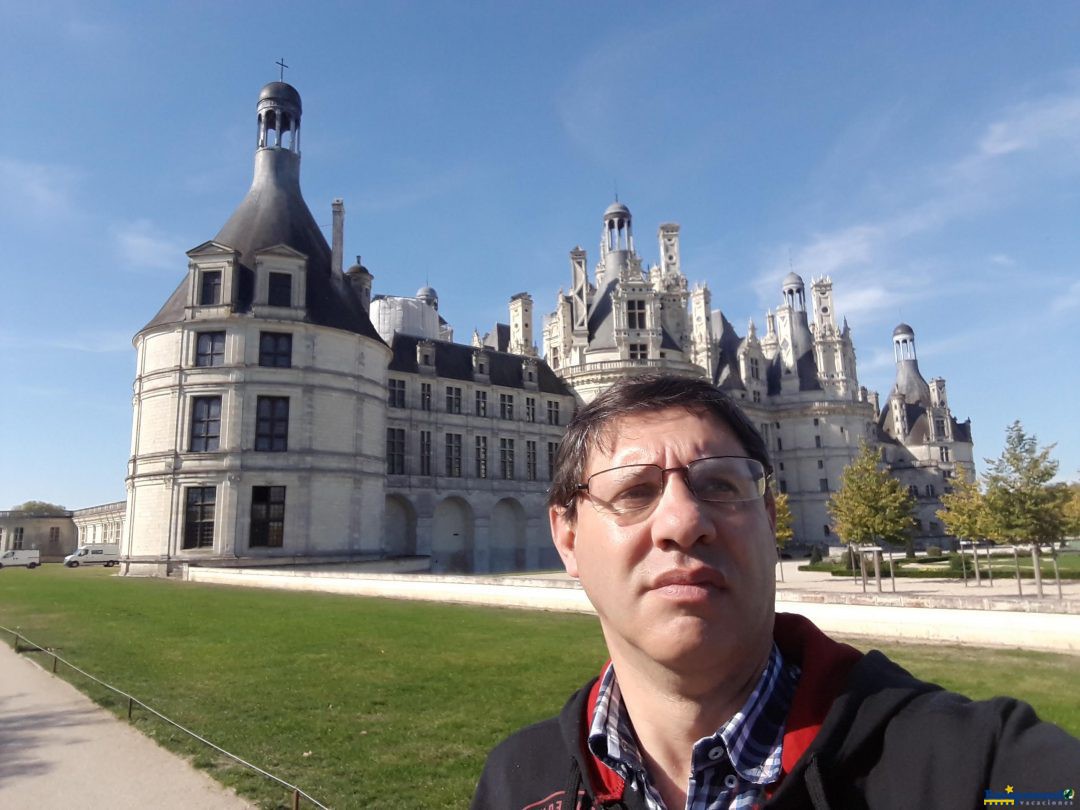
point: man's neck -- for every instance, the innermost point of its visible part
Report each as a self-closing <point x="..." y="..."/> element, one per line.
<point x="672" y="710"/>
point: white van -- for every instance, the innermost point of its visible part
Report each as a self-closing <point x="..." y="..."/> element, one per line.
<point x="31" y="558"/>
<point x="106" y="554"/>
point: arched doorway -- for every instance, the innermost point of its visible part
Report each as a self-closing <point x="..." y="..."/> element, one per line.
<point x="452" y="536"/>
<point x="399" y="527"/>
<point x="507" y="535"/>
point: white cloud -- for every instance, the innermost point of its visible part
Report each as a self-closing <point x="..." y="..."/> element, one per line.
<point x="868" y="253"/>
<point x="36" y="193"/>
<point x="142" y="245"/>
<point x="1070" y="300"/>
<point x="98" y="341"/>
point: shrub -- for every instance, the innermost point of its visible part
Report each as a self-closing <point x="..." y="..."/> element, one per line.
<point x="815" y="554"/>
<point x="933" y="551"/>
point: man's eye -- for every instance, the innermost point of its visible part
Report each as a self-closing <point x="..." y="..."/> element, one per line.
<point x="635" y="494"/>
<point x="715" y="488"/>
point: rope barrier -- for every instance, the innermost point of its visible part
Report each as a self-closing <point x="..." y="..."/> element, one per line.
<point x="297" y="793"/>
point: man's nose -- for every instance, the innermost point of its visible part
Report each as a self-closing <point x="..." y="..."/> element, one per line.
<point x="680" y="518"/>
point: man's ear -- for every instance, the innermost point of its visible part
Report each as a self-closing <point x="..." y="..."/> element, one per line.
<point x="564" y="536"/>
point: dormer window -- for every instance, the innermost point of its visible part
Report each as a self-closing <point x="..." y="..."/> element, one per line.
<point x="279" y="293"/>
<point x="210" y="288"/>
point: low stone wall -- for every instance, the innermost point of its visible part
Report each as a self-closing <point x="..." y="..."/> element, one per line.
<point x="873" y="617"/>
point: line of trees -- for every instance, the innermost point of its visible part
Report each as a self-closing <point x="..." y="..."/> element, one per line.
<point x="1016" y="501"/>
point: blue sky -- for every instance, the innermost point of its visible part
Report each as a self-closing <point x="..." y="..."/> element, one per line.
<point x="925" y="156"/>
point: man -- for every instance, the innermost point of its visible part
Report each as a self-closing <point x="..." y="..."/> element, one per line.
<point x="661" y="508"/>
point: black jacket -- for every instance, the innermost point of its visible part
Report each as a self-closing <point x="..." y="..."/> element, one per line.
<point x="861" y="733"/>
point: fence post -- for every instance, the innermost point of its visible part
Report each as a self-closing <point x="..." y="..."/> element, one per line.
<point x="129" y="708"/>
<point x="296" y="799"/>
<point x="54" y="663"/>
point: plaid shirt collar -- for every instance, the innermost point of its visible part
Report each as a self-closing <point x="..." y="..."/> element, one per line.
<point x="731" y="768"/>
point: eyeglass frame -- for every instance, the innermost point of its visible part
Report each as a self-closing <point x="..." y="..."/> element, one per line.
<point x="763" y="486"/>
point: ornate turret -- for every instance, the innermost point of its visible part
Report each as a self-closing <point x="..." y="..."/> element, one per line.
<point x="909" y="381"/>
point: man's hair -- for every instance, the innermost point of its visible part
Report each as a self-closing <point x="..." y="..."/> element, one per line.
<point x="591" y="427"/>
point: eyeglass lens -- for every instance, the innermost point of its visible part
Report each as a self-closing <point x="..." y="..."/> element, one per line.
<point x="632" y="488"/>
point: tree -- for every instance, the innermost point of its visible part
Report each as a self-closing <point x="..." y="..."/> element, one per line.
<point x="784" y="521"/>
<point x="40" y="508"/>
<point x="1021" y="506"/>
<point x="1072" y="510"/>
<point x="872" y="506"/>
<point x="963" y="511"/>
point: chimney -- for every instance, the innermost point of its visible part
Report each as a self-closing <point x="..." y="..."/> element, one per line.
<point x="337" y="244"/>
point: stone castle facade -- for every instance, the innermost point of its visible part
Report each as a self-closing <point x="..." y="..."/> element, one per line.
<point x="282" y="412"/>
<point x="798" y="381"/>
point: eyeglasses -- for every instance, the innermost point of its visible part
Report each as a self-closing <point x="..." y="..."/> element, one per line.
<point x="630" y="493"/>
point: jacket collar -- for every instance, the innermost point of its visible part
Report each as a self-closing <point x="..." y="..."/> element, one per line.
<point x="825" y="665"/>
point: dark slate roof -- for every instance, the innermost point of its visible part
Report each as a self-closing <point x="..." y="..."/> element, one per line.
<point x="808" y="372"/>
<point x="454" y="361"/>
<point x="498" y="338"/>
<point x="602" y="319"/>
<point x="726" y="374"/>
<point x="274" y="213"/>
<point x="910" y="382"/>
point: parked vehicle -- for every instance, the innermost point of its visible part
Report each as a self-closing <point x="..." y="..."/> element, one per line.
<point x="107" y="554"/>
<point x="31" y="558"/>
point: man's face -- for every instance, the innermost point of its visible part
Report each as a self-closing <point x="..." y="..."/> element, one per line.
<point x="691" y="585"/>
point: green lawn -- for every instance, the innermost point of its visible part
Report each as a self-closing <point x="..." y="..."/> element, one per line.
<point x="367" y="702"/>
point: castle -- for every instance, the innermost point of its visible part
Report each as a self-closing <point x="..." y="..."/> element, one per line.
<point x="284" y="413"/>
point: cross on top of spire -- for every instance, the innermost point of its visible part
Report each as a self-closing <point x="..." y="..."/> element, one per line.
<point x="281" y="64"/>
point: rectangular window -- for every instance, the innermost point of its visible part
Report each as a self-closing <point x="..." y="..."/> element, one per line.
<point x="913" y="491"/>
<point x="395" y="451"/>
<point x="823" y="484"/>
<point x="506" y="406"/>
<point x="820" y="464"/>
<point x="267" y="517"/>
<point x="530" y="460"/>
<point x="779" y="443"/>
<point x="635" y="314"/>
<point x="481" y="457"/>
<point x="553" y="412"/>
<point x="530" y="409"/>
<point x="275" y="349"/>
<point x="944" y="453"/>
<point x="205" y="424"/>
<point x="272" y="424"/>
<point x="210" y="349"/>
<point x="755" y="371"/>
<point x="395" y="393"/>
<point x="816" y="421"/>
<point x="453" y="455"/>
<point x="817" y="441"/>
<point x="553" y="451"/>
<point x="939" y="427"/>
<point x="210" y="288"/>
<point x="279" y="293"/>
<point x="481" y="403"/>
<point x="506" y="458"/>
<point x="199" y="517"/>
<point x="639" y="351"/>
<point x="930" y="492"/>
<point x="425" y="396"/>
<point x="425" y="452"/>
<point x="54" y="534"/>
<point x="453" y="399"/>
<point x="783" y="486"/>
<point x="17" y="539"/>
<point x="757" y="396"/>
